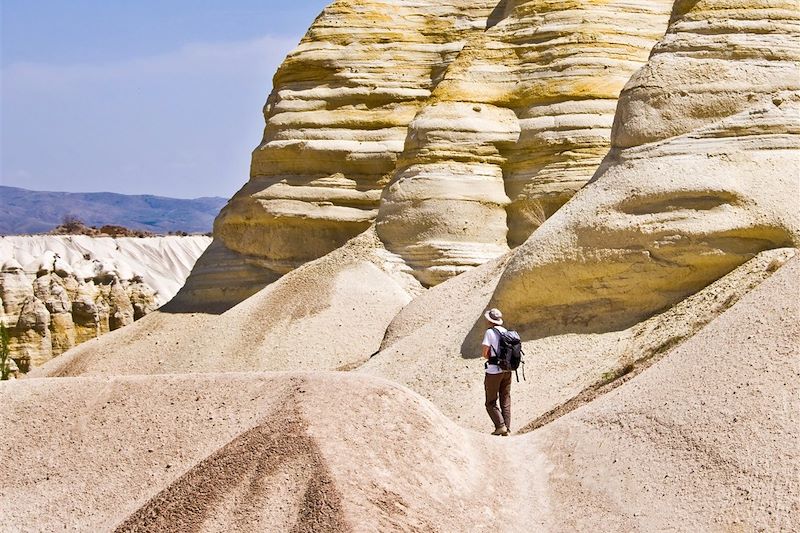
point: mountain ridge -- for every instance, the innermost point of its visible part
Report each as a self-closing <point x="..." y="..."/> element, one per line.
<point x="27" y="211"/>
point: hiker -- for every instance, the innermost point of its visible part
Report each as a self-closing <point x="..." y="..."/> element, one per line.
<point x="497" y="381"/>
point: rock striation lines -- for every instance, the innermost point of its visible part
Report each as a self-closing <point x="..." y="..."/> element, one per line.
<point x="458" y="127"/>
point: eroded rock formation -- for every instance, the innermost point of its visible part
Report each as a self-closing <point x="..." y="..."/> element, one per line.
<point x="520" y="122"/>
<point x="336" y="122"/>
<point x="702" y="175"/>
<point x="74" y="289"/>
<point x="466" y="110"/>
<point x="61" y="310"/>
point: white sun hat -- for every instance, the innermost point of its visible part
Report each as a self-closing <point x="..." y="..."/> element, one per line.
<point x="494" y="316"/>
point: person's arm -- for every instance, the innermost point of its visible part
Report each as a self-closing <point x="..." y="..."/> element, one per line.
<point x="487" y="343"/>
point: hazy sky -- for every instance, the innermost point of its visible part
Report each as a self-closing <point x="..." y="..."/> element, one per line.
<point x="139" y="96"/>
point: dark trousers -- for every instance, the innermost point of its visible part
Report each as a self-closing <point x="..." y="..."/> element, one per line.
<point x="498" y="385"/>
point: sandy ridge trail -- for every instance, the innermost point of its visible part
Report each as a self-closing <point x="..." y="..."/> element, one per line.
<point x="275" y="451"/>
<point x="349" y="311"/>
<point x="715" y="419"/>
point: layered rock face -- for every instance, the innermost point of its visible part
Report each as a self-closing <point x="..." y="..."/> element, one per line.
<point x="381" y="93"/>
<point x="59" y="309"/>
<point x="702" y="175"/>
<point x="73" y="289"/>
<point x="336" y="122"/>
<point x="520" y="122"/>
<point x="444" y="211"/>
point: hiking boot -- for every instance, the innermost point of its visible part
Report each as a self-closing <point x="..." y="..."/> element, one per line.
<point x="502" y="431"/>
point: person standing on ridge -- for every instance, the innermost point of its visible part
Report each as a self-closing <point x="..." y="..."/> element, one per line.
<point x="497" y="382"/>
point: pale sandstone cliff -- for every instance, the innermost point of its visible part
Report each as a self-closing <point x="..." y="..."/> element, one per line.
<point x="702" y="175"/>
<point x="381" y="93"/>
<point x="520" y="122"/>
<point x="58" y="292"/>
<point x="336" y="122"/>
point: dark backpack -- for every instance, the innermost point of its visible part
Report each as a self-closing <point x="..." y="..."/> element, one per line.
<point x="509" y="352"/>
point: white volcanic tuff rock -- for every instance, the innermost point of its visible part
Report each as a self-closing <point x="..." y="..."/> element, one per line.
<point x="31" y="339"/>
<point x="336" y="122"/>
<point x="532" y="101"/>
<point x="52" y="290"/>
<point x="120" y="312"/>
<point x="90" y="312"/>
<point x="719" y="58"/>
<point x="142" y="297"/>
<point x="574" y="59"/>
<point x="73" y="289"/>
<point x="162" y="262"/>
<point x="15" y="288"/>
<point x="702" y="175"/>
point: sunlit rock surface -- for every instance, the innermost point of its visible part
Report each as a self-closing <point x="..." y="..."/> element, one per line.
<point x="520" y="122"/>
<point x="336" y="122"/>
<point x="702" y="175"/>
<point x="447" y="115"/>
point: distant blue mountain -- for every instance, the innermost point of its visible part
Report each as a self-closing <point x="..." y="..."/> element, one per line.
<point x="23" y="211"/>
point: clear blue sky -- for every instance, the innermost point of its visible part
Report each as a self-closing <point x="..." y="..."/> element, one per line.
<point x="140" y="96"/>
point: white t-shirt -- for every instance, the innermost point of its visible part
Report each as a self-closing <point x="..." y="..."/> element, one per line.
<point x="492" y="339"/>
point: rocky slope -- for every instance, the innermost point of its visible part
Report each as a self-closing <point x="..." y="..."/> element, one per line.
<point x="58" y="292"/>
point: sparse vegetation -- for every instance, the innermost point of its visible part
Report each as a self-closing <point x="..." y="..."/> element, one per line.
<point x="533" y="212"/>
<point x="775" y="264"/>
<point x="613" y="375"/>
<point x="5" y="353"/>
<point x="72" y="225"/>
